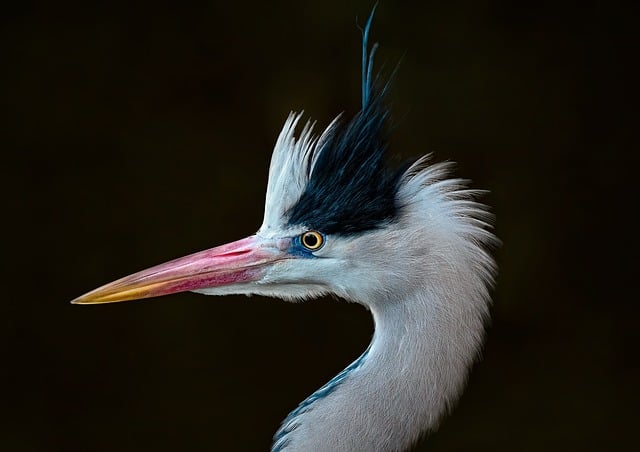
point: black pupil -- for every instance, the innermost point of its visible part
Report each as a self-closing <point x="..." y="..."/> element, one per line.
<point x="311" y="240"/>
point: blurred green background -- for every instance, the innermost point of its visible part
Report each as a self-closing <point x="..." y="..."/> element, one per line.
<point x="136" y="133"/>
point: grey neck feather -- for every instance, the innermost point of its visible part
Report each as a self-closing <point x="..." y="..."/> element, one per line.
<point x="429" y="308"/>
<point x="414" y="368"/>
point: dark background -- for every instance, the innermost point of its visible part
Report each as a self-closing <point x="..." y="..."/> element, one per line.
<point x="139" y="133"/>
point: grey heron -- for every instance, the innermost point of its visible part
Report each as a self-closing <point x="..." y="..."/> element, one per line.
<point x="410" y="244"/>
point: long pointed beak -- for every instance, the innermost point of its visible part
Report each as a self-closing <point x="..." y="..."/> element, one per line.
<point x="238" y="262"/>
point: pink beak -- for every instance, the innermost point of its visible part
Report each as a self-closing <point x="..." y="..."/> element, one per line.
<point x="237" y="262"/>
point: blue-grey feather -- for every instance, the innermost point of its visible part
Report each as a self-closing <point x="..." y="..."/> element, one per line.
<point x="367" y="60"/>
<point x="288" y="425"/>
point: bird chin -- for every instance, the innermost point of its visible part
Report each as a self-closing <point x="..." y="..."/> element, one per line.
<point x="287" y="292"/>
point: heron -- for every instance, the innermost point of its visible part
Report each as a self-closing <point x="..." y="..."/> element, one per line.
<point x="412" y="244"/>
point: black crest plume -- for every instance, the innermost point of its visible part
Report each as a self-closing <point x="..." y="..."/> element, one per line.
<point x="351" y="189"/>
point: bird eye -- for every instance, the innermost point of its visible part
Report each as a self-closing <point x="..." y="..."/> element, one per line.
<point x="312" y="240"/>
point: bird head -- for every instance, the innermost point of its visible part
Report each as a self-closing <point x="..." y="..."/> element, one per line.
<point x="335" y="216"/>
<point x="327" y="198"/>
<point x="337" y="221"/>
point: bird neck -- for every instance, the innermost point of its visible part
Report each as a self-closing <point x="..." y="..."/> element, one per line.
<point x="413" y="369"/>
